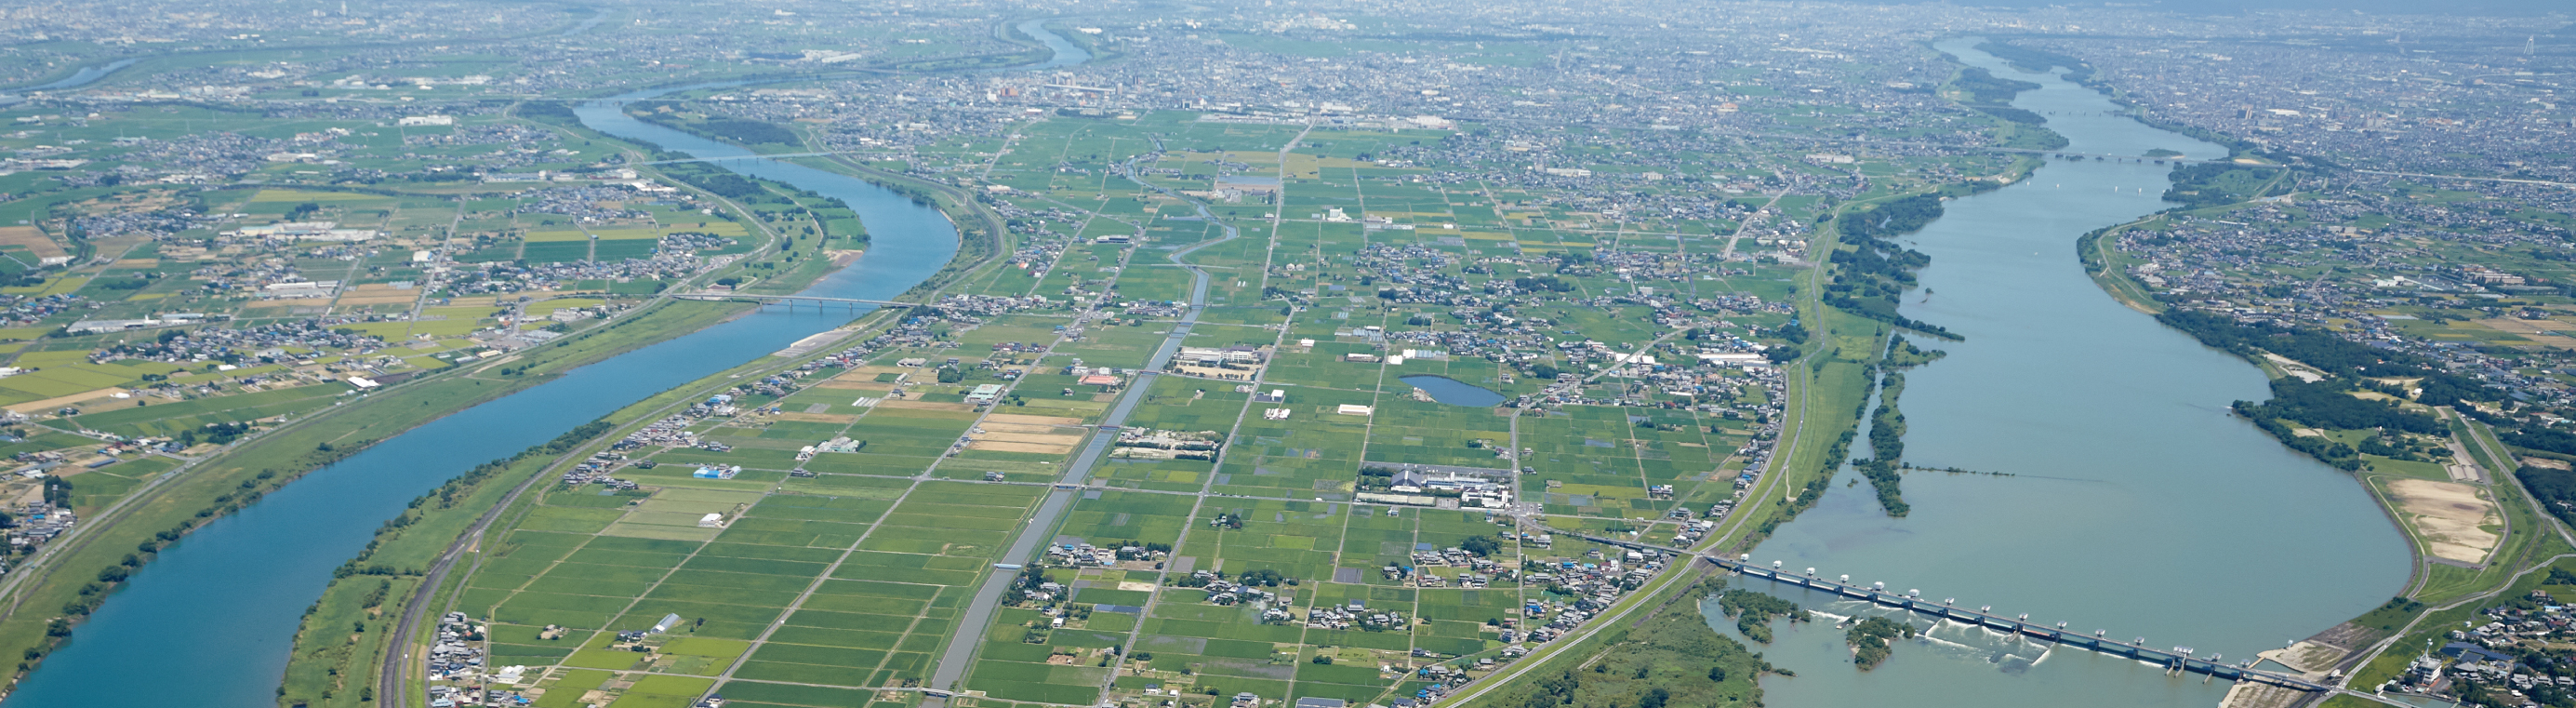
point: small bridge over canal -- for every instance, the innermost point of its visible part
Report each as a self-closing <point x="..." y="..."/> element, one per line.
<point x="2177" y="659"/>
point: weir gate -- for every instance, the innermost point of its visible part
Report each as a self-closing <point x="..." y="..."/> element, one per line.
<point x="2178" y="659"/>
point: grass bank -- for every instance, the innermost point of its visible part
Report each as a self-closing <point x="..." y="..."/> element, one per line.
<point x="45" y="612"/>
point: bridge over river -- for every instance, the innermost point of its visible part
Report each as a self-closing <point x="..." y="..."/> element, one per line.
<point x="790" y="300"/>
<point x="2177" y="659"/>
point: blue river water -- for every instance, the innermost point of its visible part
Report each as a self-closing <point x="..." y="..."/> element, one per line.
<point x="2139" y="505"/>
<point x="212" y="620"/>
<point x="82" y="77"/>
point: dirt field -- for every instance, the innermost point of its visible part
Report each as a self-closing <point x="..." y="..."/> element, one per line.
<point x="869" y="373"/>
<point x="2447" y="516"/>
<point x="1017" y="419"/>
<point x="1001" y="436"/>
<point x="926" y="406"/>
<point x="2547" y="332"/>
<point x="378" y="294"/>
<point x="1019" y="447"/>
<point x="818" y="418"/>
<point x="34" y="407"/>
<point x="32" y="238"/>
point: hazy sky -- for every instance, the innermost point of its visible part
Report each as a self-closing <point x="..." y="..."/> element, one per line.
<point x="2474" y="7"/>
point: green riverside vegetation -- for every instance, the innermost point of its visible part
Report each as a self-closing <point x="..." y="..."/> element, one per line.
<point x="1871" y="637"/>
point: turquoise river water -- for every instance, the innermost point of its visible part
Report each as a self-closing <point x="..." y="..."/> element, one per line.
<point x="2141" y="506"/>
<point x="211" y="621"/>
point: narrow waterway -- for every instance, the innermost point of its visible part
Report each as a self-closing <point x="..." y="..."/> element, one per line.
<point x="211" y="621"/>
<point x="83" y="76"/>
<point x="2138" y="505"/>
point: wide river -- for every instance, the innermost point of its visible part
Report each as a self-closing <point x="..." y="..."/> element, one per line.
<point x="210" y="622"/>
<point x="2140" y="507"/>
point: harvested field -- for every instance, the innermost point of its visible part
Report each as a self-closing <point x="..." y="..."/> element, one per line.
<point x="2545" y="332"/>
<point x="1012" y="418"/>
<point x="33" y="239"/>
<point x="33" y="407"/>
<point x="1019" y="447"/>
<point x="2448" y="517"/>
<point x="818" y="418"/>
<point x="926" y="406"/>
<point x="998" y="436"/>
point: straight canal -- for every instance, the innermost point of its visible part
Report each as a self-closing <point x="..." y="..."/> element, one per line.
<point x="2140" y="505"/>
<point x="211" y="621"/>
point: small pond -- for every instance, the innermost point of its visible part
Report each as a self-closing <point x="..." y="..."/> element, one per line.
<point x="1454" y="392"/>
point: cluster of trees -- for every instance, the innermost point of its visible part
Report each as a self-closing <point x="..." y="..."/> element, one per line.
<point x="2330" y="404"/>
<point x="1985" y="88"/>
<point x="58" y="492"/>
<point x="719" y="182"/>
<point x="1892" y="218"/>
<point x="1547" y="283"/>
<point x="1480" y="545"/>
<point x="1672" y="659"/>
<point x="1887" y="444"/>
<point x="748" y="132"/>
<point x="2038" y="60"/>
<point x="1876" y="271"/>
<point x="2556" y="490"/>
<point x="2329" y="353"/>
<point x="1025" y="582"/>
<point x="2212" y="184"/>
<point x="1264" y="577"/>
<point x="1753" y="612"/>
<point x="1872" y="638"/>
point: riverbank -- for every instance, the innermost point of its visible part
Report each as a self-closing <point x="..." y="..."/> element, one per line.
<point x="384" y="416"/>
<point x="236" y="479"/>
<point x="2078" y="401"/>
<point x="334" y="668"/>
<point x="330" y="667"/>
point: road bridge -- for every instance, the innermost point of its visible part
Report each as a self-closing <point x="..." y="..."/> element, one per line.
<point x="2175" y="660"/>
<point x="790" y="300"/>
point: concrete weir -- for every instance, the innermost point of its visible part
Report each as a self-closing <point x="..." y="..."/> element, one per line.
<point x="2172" y="659"/>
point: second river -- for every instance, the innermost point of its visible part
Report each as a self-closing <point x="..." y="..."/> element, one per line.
<point x="2141" y="505"/>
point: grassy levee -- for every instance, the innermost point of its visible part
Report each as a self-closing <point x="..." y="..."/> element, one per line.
<point x="2436" y="625"/>
<point x="2482" y="444"/>
<point x="2108" y="266"/>
<point x="982" y="239"/>
<point x="322" y="673"/>
<point x="348" y="626"/>
<point x="238" y="477"/>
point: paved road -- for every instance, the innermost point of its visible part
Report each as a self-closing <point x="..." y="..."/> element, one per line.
<point x="1041" y="526"/>
<point x="960" y="654"/>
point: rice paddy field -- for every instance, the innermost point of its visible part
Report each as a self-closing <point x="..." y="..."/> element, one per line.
<point x="843" y="578"/>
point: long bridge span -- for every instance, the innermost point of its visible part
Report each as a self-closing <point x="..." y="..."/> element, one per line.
<point x="2177" y="659"/>
<point x="789" y="300"/>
